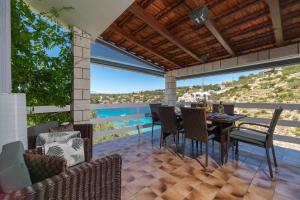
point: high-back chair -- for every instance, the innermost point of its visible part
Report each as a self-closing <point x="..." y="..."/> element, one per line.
<point x="168" y="124"/>
<point x="195" y="127"/>
<point x="196" y="105"/>
<point x="257" y="137"/>
<point x="154" y="109"/>
<point x="228" y="108"/>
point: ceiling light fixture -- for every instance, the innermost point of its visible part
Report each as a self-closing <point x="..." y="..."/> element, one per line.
<point x="200" y="15"/>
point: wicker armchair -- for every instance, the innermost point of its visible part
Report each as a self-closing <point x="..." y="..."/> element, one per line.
<point x="98" y="179"/>
<point x="86" y="131"/>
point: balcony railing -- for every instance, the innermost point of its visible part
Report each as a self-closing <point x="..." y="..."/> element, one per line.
<point x="138" y="110"/>
<point x="140" y="113"/>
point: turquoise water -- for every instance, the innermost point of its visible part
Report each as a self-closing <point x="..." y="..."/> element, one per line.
<point x="116" y="112"/>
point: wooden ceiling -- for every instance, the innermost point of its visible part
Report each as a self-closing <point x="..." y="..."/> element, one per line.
<point x="161" y="31"/>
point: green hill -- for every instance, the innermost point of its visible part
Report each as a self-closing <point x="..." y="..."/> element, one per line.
<point x="281" y="86"/>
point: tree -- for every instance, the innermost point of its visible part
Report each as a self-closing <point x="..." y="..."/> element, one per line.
<point x="42" y="60"/>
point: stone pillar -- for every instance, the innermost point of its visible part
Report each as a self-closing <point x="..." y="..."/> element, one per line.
<point x="80" y="107"/>
<point x="170" y="89"/>
<point x="5" y="49"/>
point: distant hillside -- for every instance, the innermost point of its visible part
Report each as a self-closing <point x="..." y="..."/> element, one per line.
<point x="271" y="86"/>
<point x="134" y="97"/>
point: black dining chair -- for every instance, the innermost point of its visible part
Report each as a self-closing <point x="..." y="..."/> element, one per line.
<point x="154" y="115"/>
<point x="197" y="105"/>
<point x="228" y="108"/>
<point x="169" y="124"/>
<point x="195" y="128"/>
<point x="257" y="137"/>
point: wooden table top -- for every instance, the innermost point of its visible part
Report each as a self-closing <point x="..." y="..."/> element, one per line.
<point x="221" y="118"/>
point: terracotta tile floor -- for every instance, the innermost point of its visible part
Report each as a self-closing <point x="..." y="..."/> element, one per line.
<point x="151" y="173"/>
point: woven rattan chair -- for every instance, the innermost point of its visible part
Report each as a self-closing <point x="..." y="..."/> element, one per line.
<point x="154" y="115"/>
<point x="86" y="132"/>
<point x="228" y="108"/>
<point x="96" y="180"/>
<point x="197" y="105"/>
<point x="257" y="137"/>
<point x="195" y="128"/>
<point x="169" y="124"/>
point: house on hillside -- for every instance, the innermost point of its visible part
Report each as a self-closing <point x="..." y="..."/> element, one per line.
<point x="271" y="70"/>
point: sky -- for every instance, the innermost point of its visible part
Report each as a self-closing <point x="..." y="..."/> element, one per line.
<point x="111" y="81"/>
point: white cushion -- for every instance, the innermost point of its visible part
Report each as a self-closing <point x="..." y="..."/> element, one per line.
<point x="72" y="150"/>
<point x="60" y="137"/>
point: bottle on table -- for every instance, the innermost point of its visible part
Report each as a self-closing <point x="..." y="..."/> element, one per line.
<point x="221" y="107"/>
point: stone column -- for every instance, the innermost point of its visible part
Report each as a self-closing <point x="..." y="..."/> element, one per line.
<point x="5" y="49"/>
<point x="170" y="89"/>
<point x="80" y="107"/>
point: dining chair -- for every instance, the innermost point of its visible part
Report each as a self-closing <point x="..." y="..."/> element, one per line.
<point x="169" y="125"/>
<point x="195" y="128"/>
<point x="154" y="115"/>
<point x="228" y="108"/>
<point x="196" y="105"/>
<point x="258" y="137"/>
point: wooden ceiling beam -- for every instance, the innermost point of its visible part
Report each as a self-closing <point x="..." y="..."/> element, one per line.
<point x="246" y="19"/>
<point x="258" y="27"/>
<point x="125" y="19"/>
<point x="144" y="46"/>
<point x="160" y="15"/>
<point x="252" y="39"/>
<point x="276" y="20"/>
<point x="286" y="3"/>
<point x="151" y="21"/>
<point x="169" y="27"/>
<point x="214" y="3"/>
<point x="211" y="26"/>
<point x="234" y="10"/>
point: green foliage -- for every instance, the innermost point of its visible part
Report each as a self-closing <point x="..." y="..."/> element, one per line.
<point x="278" y="76"/>
<point x="268" y="78"/>
<point x="267" y="85"/>
<point x="110" y="137"/>
<point x="42" y="60"/>
<point x="294" y="83"/>
<point x="212" y="87"/>
<point x="244" y="111"/>
<point x="297" y="132"/>
<point x="278" y="89"/>
<point x="48" y="117"/>
<point x="101" y="127"/>
<point x="105" y="127"/>
<point x="246" y="86"/>
<point x="290" y="70"/>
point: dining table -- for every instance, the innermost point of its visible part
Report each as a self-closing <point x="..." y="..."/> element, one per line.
<point x="223" y="123"/>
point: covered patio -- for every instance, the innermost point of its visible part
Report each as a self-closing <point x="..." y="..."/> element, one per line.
<point x="149" y="172"/>
<point x="178" y="40"/>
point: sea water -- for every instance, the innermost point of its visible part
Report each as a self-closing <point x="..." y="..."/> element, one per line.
<point x="117" y="112"/>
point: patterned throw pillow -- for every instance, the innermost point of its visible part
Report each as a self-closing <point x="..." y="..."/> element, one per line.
<point x="72" y="150"/>
<point x="60" y="137"/>
<point x="62" y="128"/>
